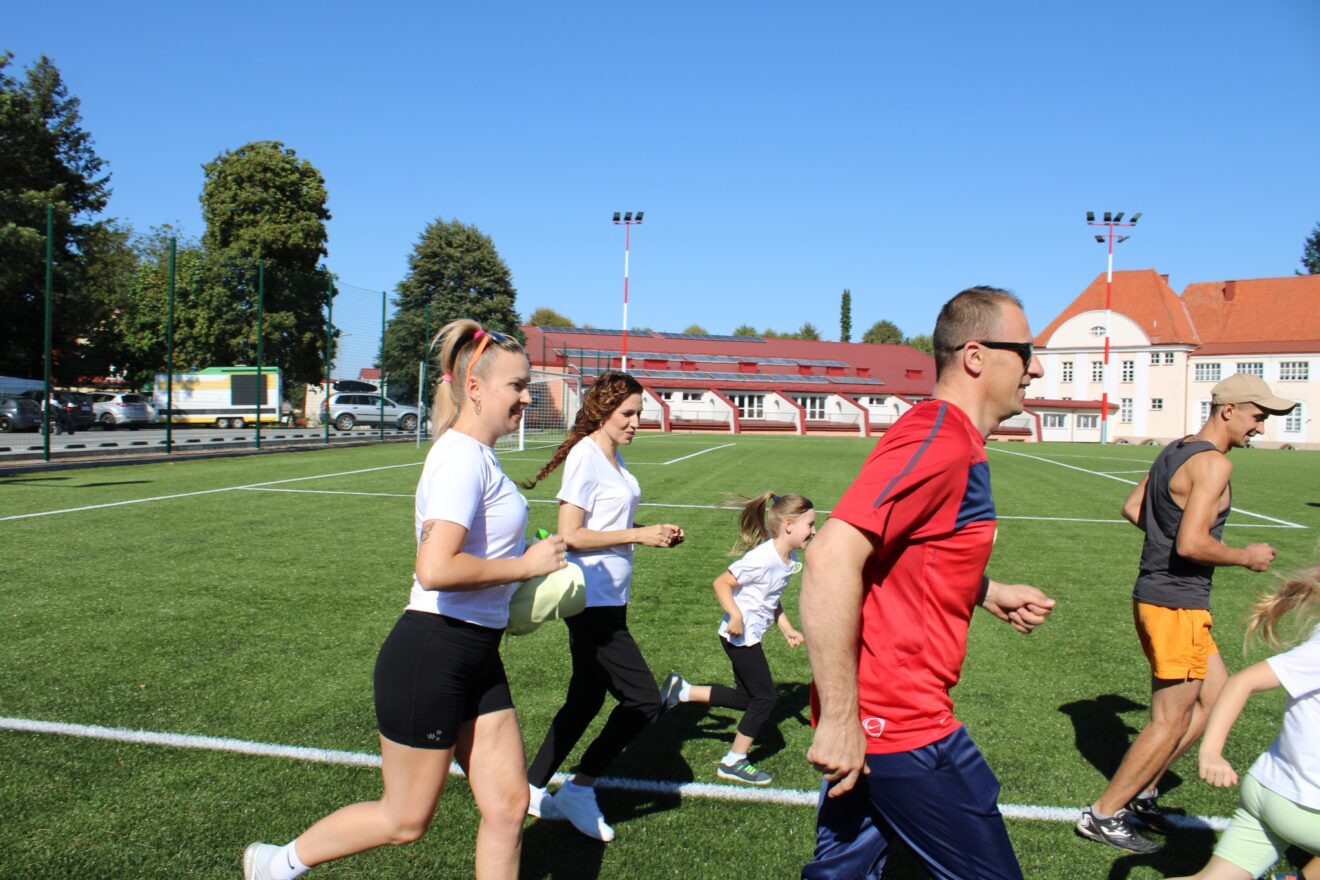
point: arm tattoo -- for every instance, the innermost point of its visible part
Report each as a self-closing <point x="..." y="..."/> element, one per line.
<point x="426" y="532"/>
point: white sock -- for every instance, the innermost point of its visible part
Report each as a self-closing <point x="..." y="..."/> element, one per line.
<point x="685" y="692"/>
<point x="1150" y="793"/>
<point x="285" y="864"/>
<point x="733" y="758"/>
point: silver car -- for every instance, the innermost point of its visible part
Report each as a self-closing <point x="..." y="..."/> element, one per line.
<point x="126" y="409"/>
<point x="347" y="410"/>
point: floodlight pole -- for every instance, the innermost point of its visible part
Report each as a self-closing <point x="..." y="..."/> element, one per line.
<point x="628" y="221"/>
<point x="1110" y="221"/>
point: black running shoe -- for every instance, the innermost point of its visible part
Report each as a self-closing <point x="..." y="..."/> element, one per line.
<point x="1116" y="832"/>
<point x="1147" y="812"/>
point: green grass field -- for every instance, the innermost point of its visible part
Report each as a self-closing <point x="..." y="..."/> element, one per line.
<point x="245" y="598"/>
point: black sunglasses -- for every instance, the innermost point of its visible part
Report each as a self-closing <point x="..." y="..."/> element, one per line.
<point x="1025" y="350"/>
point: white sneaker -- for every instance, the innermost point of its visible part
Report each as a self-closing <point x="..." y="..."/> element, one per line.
<point x="256" y="861"/>
<point x="577" y="804"/>
<point x="542" y="805"/>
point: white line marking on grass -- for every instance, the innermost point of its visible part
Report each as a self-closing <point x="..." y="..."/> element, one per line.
<point x="695" y="454"/>
<point x="1282" y="522"/>
<point x="202" y="492"/>
<point x="704" y="790"/>
<point x="328" y="492"/>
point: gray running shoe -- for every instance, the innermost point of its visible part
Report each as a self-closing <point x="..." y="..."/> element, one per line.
<point x="1146" y="811"/>
<point x="743" y="771"/>
<point x="256" y="861"/>
<point x="577" y="804"/>
<point x="1115" y="831"/>
<point x="670" y="690"/>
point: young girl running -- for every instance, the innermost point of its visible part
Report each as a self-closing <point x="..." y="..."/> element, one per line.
<point x="1280" y="795"/>
<point x="440" y="687"/>
<point x="597" y="503"/>
<point x="775" y="527"/>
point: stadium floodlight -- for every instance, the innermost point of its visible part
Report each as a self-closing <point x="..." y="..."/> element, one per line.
<point x="1111" y="220"/>
<point x="627" y="223"/>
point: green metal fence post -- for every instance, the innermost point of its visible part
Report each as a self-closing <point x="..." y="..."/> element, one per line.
<point x="381" y="396"/>
<point x="261" y="309"/>
<point x="45" y="402"/>
<point x="329" y="337"/>
<point x="169" y="359"/>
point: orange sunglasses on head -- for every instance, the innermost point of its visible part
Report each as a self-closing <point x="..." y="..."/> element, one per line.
<point x="485" y="336"/>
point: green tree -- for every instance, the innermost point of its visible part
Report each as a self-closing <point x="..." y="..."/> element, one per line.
<point x="745" y="330"/>
<point x="845" y="316"/>
<point x="46" y="158"/>
<point x="808" y="331"/>
<point x="1311" y="253"/>
<point x="455" y="269"/>
<point x="922" y="343"/>
<point x="546" y="317"/>
<point x="769" y="333"/>
<point x="883" y="333"/>
<point x="696" y="330"/>
<point x="262" y="203"/>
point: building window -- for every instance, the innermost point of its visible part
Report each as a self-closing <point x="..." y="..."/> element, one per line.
<point x="1157" y="404"/>
<point x="1129" y="369"/>
<point x="814" y="406"/>
<point x="1098" y="330"/>
<point x="1067" y="371"/>
<point x="1125" y="411"/>
<point x="1056" y="420"/>
<point x="666" y="395"/>
<point x="1207" y="373"/>
<point x="1252" y="368"/>
<point x="1097" y="371"/>
<point x="690" y="396"/>
<point x="1292" y="423"/>
<point x="1154" y="358"/>
<point x="1205" y="411"/>
<point x="1086" y="420"/>
<point x="750" y="406"/>
<point x="1294" y="371"/>
<point x="1168" y="357"/>
<point x="876" y="401"/>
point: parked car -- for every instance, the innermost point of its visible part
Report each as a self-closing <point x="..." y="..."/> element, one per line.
<point x="347" y="410"/>
<point x="19" y="414"/>
<point x="113" y="410"/>
<point x="76" y="405"/>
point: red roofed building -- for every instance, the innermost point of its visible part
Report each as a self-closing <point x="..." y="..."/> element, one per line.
<point x="737" y="384"/>
<point x="1167" y="351"/>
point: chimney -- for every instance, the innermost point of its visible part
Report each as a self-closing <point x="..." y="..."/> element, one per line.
<point x="1230" y="291"/>
<point x="1165" y="278"/>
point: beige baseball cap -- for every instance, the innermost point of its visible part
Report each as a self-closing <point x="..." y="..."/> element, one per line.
<point x="1246" y="388"/>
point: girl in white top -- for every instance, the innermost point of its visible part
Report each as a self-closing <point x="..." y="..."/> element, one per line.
<point x="597" y="504"/>
<point x="1280" y="795"/>
<point x="750" y="592"/>
<point x="441" y="692"/>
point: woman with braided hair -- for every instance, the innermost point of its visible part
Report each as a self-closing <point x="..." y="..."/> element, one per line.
<point x="597" y="504"/>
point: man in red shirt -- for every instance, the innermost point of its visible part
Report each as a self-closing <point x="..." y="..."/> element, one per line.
<point x="887" y="599"/>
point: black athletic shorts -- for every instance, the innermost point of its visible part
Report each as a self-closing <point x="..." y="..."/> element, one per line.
<point x="433" y="675"/>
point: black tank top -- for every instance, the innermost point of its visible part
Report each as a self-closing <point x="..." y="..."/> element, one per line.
<point x="1166" y="578"/>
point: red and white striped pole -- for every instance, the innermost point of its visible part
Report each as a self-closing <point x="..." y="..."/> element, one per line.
<point x="627" y="222"/>
<point x="1110" y="221"/>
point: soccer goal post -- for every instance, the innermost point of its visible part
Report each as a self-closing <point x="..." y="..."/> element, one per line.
<point x="556" y="397"/>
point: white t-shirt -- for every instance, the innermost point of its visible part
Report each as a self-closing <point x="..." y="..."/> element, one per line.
<point x="609" y="496"/>
<point x="1291" y="767"/>
<point x="462" y="483"/>
<point x="762" y="576"/>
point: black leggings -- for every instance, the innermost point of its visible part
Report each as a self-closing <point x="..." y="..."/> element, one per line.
<point x="756" y="689"/>
<point x="605" y="658"/>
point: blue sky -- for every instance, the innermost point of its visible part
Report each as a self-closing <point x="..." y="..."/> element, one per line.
<point x="781" y="151"/>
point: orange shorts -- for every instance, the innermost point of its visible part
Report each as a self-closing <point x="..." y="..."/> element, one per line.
<point x="1177" y="641"/>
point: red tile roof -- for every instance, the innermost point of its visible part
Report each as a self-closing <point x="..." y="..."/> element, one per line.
<point x="1142" y="295"/>
<point x="902" y="370"/>
<point x="1280" y="312"/>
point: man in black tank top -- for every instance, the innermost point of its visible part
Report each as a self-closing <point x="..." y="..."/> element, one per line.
<point x="1181" y="505"/>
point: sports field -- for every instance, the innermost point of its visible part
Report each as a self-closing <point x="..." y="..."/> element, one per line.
<point x="187" y="648"/>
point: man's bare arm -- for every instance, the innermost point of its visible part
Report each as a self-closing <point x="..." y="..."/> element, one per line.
<point x="1208" y="474"/>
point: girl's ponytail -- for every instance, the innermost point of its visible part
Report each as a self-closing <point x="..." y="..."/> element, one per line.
<point x="1300" y="593"/>
<point x="763" y="516"/>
